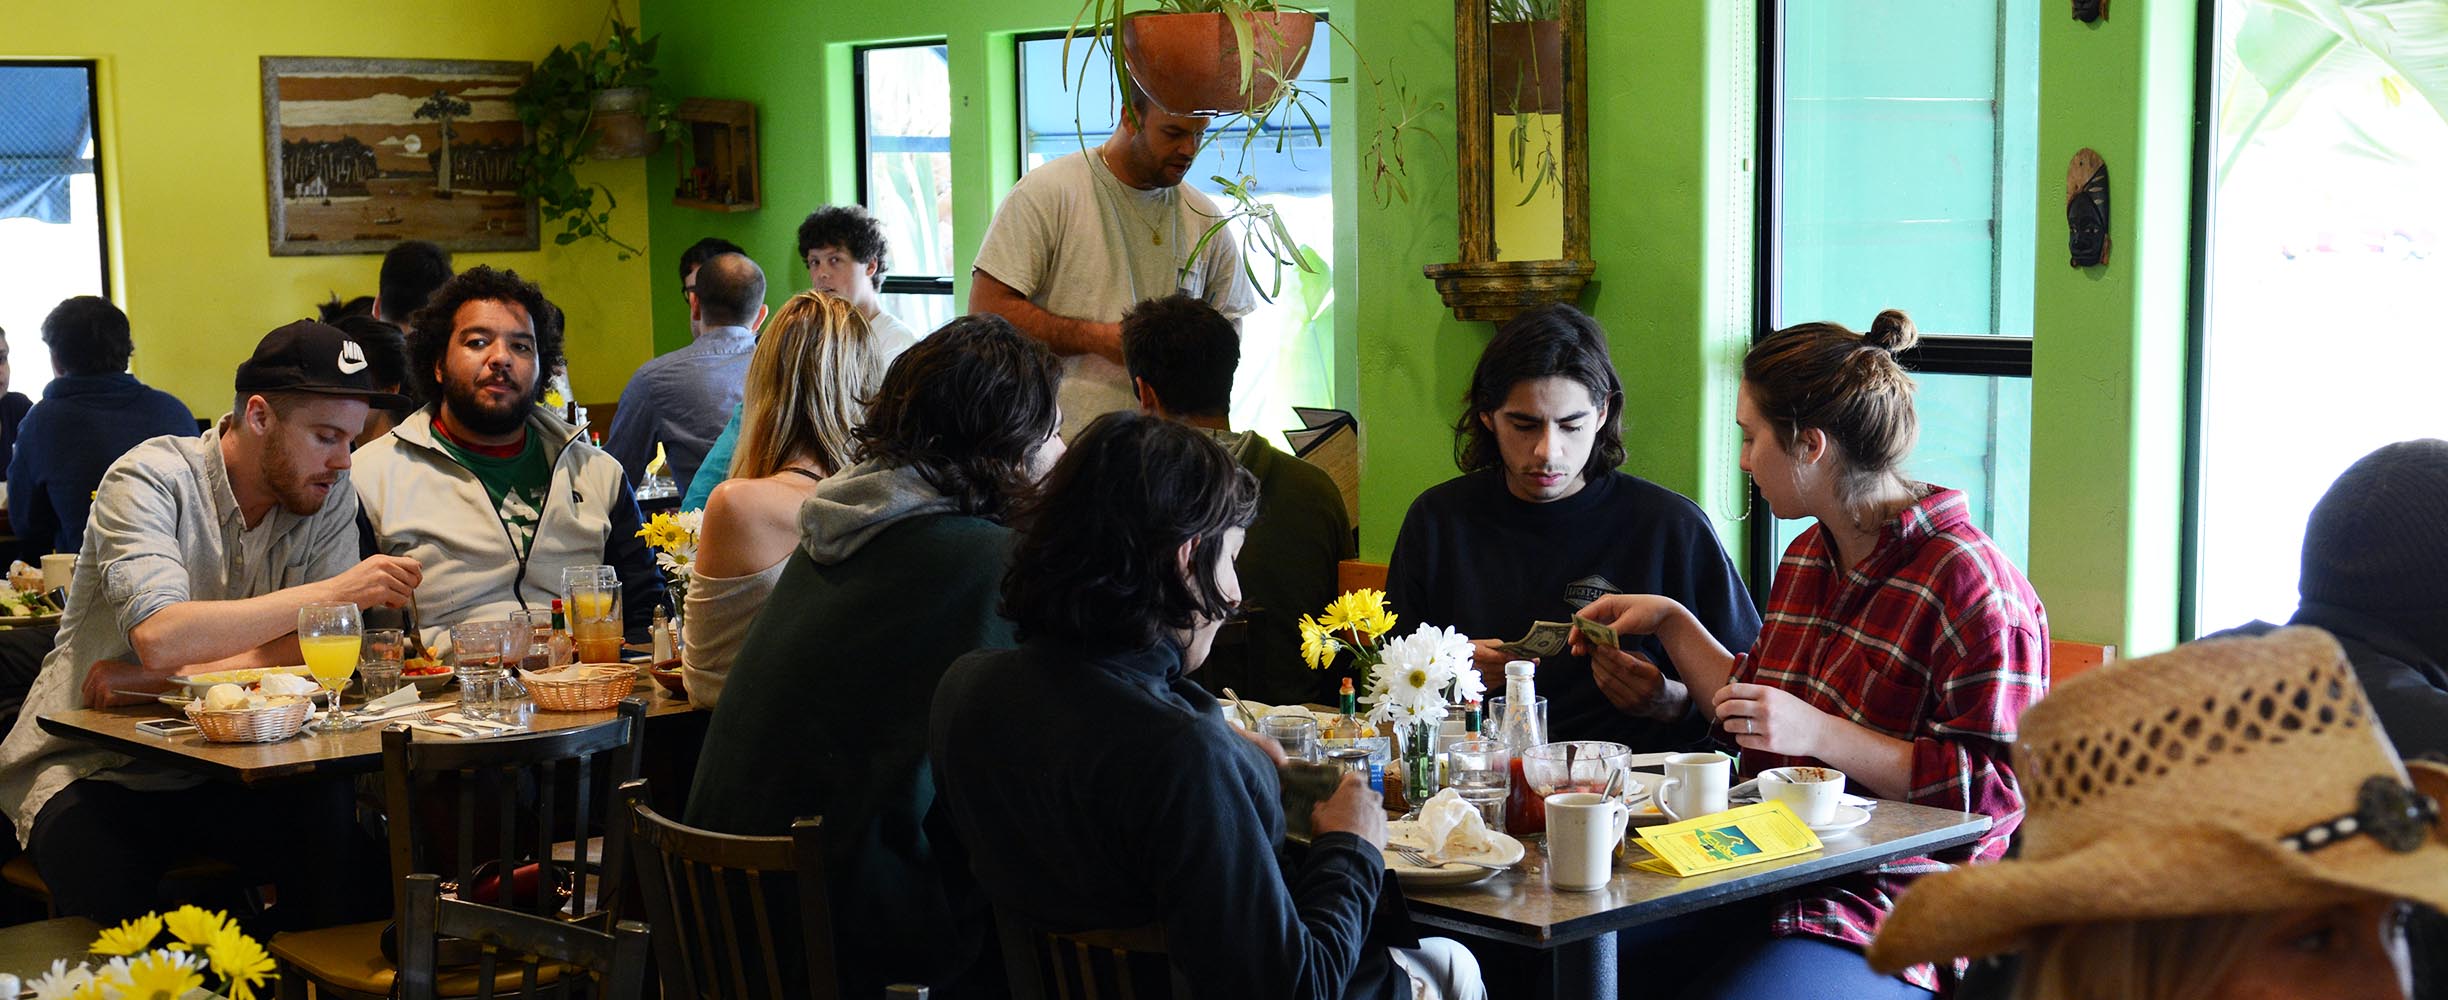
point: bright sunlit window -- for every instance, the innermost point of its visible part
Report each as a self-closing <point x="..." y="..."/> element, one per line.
<point x="905" y="148"/>
<point x="50" y="207"/>
<point x="2323" y="338"/>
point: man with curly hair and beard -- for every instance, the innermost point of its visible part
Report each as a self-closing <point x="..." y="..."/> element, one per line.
<point x="492" y="494"/>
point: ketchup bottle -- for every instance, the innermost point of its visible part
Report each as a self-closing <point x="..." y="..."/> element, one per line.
<point x="1525" y="811"/>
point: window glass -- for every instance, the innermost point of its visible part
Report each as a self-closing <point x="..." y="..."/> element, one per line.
<point x="50" y="210"/>
<point x="905" y="144"/>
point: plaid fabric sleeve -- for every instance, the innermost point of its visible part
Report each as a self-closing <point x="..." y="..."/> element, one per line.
<point x="1981" y="687"/>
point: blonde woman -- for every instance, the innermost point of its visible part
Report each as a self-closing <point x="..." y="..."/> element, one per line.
<point x="2226" y="821"/>
<point x="815" y="367"/>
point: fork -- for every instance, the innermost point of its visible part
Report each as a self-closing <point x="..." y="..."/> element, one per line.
<point x="1420" y="859"/>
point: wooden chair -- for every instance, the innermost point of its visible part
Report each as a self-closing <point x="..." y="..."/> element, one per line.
<point x="522" y="792"/>
<point x="728" y="910"/>
<point x="2069" y="659"/>
<point x="1353" y="574"/>
<point x="614" y="964"/>
<point x="1087" y="965"/>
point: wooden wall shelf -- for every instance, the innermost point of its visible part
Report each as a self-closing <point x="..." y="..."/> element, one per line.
<point x="720" y="171"/>
<point x="1499" y="290"/>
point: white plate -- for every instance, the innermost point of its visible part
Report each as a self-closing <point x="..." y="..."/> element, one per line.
<point x="1504" y="851"/>
<point x="1847" y="817"/>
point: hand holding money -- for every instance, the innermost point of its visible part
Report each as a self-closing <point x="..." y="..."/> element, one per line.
<point x="1596" y="633"/>
<point x="1545" y="639"/>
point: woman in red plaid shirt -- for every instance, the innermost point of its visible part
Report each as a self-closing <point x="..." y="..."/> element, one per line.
<point x="1898" y="645"/>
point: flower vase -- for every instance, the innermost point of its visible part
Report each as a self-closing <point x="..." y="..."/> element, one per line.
<point x="1420" y="778"/>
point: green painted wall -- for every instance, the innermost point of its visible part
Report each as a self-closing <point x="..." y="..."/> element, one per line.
<point x="1670" y="206"/>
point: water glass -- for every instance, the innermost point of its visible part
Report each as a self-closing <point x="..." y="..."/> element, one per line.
<point x="1496" y="723"/>
<point x="476" y="653"/>
<point x="1297" y="734"/>
<point x="378" y="664"/>
<point x="1480" y="772"/>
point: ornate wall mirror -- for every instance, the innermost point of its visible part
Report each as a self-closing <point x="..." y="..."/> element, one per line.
<point x="1522" y="107"/>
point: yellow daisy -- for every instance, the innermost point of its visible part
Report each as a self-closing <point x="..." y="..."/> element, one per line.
<point x="1317" y="648"/>
<point x="239" y="961"/>
<point x="128" y="938"/>
<point x="160" y="976"/>
<point x="192" y="926"/>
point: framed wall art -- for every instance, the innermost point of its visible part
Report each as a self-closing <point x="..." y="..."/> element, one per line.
<point x="364" y="153"/>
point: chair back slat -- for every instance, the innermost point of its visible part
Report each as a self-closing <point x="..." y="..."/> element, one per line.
<point x="1123" y="964"/>
<point x="613" y="964"/>
<point x="540" y="844"/>
<point x="724" y="905"/>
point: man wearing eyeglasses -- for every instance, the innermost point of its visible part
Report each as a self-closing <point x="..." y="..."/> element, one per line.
<point x="679" y="400"/>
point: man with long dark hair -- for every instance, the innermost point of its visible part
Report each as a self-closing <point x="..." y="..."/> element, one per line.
<point x="1541" y="522"/>
<point x="493" y="494"/>
<point x="824" y="712"/>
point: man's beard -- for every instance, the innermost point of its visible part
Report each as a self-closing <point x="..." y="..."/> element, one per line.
<point x="471" y="412"/>
<point x="291" y="485"/>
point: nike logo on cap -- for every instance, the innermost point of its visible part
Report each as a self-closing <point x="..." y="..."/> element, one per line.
<point x="352" y="358"/>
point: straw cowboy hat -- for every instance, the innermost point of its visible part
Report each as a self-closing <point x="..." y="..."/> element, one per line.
<point x="2226" y="776"/>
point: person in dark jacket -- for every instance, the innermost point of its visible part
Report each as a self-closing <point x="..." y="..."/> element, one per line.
<point x="90" y="414"/>
<point x="897" y="573"/>
<point x="2375" y="575"/>
<point x="1097" y="787"/>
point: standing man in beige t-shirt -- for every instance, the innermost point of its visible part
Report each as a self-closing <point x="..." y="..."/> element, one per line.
<point x="1088" y="235"/>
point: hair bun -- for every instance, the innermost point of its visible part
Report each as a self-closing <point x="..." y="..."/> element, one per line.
<point x="1891" y="332"/>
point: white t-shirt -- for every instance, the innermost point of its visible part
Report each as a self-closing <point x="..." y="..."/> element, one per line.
<point x="891" y="335"/>
<point x="1079" y="243"/>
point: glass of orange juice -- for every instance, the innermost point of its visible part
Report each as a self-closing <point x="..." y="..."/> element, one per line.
<point x="330" y="634"/>
<point x="594" y="612"/>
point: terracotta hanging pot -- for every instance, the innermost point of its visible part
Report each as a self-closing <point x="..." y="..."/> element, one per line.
<point x="1526" y="67"/>
<point x="1190" y="64"/>
<point x="619" y="125"/>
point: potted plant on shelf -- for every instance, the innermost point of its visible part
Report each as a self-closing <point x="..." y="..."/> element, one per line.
<point x="1241" y="59"/>
<point x="582" y="103"/>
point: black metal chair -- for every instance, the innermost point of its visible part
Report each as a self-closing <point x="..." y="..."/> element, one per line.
<point x="728" y="910"/>
<point x="583" y="961"/>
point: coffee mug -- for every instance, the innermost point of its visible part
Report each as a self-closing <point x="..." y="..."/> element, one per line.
<point x="1582" y="828"/>
<point x="58" y="569"/>
<point x="1695" y="785"/>
<point x="1813" y="793"/>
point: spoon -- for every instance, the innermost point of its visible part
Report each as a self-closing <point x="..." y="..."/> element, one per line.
<point x="1246" y="716"/>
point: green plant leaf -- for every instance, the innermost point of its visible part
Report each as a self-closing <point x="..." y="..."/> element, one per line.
<point x="2292" y="48"/>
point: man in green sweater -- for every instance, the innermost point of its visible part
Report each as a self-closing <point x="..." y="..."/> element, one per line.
<point x="1182" y="354"/>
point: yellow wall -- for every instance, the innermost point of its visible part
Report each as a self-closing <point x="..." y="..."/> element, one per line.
<point x="184" y="185"/>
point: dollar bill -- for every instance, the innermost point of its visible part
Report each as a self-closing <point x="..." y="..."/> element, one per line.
<point x="1545" y="639"/>
<point x="1598" y="633"/>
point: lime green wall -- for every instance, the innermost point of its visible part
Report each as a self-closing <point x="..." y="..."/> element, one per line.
<point x="1670" y="222"/>
<point x="2109" y="342"/>
<point x="183" y="172"/>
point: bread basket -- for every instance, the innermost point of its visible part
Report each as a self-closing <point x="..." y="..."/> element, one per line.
<point x="266" y="724"/>
<point x="581" y="687"/>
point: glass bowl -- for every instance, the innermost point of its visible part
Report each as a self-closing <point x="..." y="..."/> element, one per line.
<point x="1591" y="763"/>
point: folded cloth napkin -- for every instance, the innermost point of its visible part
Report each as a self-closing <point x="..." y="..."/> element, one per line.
<point x="407" y="694"/>
<point x="1453" y="826"/>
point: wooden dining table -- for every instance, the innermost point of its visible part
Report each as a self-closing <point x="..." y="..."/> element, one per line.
<point x="1573" y="933"/>
<point x="307" y="753"/>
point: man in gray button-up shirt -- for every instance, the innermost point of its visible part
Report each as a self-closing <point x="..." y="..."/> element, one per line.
<point x="682" y="399"/>
<point x="198" y="554"/>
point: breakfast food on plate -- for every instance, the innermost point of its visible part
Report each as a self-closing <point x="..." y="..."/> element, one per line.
<point x="1452" y="826"/>
<point x="247" y="675"/>
<point x="276" y="685"/>
<point x="422" y="666"/>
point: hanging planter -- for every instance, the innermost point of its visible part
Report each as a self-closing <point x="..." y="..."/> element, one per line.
<point x="1526" y="67"/>
<point x="620" y="129"/>
<point x="1216" y="63"/>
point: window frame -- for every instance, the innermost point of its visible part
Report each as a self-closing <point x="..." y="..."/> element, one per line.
<point x="894" y="283"/>
<point x="93" y="126"/>
<point x="1992" y="356"/>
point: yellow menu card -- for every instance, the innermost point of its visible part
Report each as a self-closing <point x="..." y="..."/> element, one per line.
<point x="1730" y="839"/>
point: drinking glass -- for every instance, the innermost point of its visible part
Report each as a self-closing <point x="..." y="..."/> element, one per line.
<point x="1297" y="734"/>
<point x="476" y="653"/>
<point x="1496" y="723"/>
<point x="378" y="664"/>
<point x="329" y="634"/>
<point x="1479" y="771"/>
<point x="594" y="612"/>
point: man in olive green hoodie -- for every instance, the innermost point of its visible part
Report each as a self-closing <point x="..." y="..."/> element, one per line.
<point x="899" y="572"/>
<point x="1182" y="354"/>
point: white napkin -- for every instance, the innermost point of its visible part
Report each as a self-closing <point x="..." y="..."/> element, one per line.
<point x="407" y="694"/>
<point x="1452" y="826"/>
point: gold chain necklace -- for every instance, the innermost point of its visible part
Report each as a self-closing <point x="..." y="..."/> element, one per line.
<point x="1122" y="194"/>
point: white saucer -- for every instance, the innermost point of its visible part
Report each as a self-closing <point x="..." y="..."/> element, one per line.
<point x="1846" y="818"/>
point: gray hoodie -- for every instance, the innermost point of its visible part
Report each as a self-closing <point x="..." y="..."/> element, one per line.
<point x="854" y="505"/>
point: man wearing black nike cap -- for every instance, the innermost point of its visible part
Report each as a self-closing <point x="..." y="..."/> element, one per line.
<point x="197" y="557"/>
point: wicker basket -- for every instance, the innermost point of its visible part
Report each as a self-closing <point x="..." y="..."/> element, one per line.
<point x="269" y="724"/>
<point x="583" y="687"/>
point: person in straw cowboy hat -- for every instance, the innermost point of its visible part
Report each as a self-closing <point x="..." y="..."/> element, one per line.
<point x="2226" y="820"/>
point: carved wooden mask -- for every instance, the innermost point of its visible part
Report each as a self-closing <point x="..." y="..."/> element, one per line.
<point x="2090" y="10"/>
<point x="2087" y="209"/>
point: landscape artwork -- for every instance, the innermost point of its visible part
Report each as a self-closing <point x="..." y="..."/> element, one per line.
<point x="364" y="153"/>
